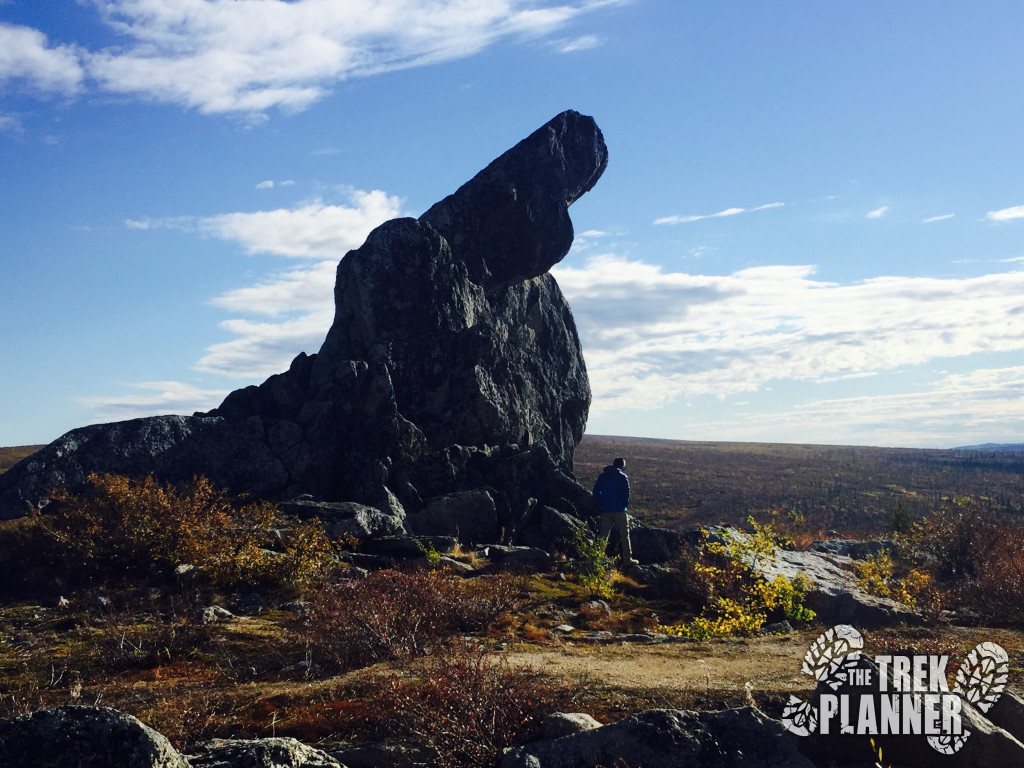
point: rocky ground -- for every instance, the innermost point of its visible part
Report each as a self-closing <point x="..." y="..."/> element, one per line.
<point x="239" y="669"/>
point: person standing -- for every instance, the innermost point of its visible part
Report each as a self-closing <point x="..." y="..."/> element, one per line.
<point x="611" y="491"/>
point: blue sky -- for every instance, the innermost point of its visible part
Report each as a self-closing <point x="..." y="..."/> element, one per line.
<point x="810" y="229"/>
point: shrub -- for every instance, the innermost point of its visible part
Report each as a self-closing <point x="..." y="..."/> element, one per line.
<point x="738" y="600"/>
<point x="592" y="566"/>
<point x="877" y="575"/>
<point x="468" y="707"/>
<point x="958" y="539"/>
<point x="400" y="614"/>
<point x="128" y="530"/>
<point x="963" y="557"/>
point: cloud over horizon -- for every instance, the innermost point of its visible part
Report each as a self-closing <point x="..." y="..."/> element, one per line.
<point x="159" y="398"/>
<point x="954" y="409"/>
<point x="652" y="336"/>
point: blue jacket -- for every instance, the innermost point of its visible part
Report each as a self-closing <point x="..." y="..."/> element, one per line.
<point x="611" y="491"/>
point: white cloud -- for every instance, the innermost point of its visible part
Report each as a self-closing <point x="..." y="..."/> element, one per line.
<point x="185" y="223"/>
<point x="583" y="43"/>
<point x="26" y="56"/>
<point x="878" y="212"/>
<point x="249" y="56"/>
<point x="944" y="217"/>
<point x="309" y="289"/>
<point x="652" y="336"/>
<point x="161" y="397"/>
<point x="956" y="409"/>
<point x="1006" y="214"/>
<point x="298" y="305"/>
<point x="313" y="230"/>
<point x="720" y="214"/>
<point x="265" y="348"/>
<point x="270" y="184"/>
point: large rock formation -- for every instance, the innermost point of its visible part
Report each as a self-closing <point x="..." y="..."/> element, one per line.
<point x="453" y="363"/>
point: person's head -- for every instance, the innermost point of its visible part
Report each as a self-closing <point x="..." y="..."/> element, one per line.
<point x="619" y="463"/>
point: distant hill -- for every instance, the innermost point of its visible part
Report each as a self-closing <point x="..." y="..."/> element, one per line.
<point x="851" y="489"/>
<point x="12" y="455"/>
<point x="995" y="447"/>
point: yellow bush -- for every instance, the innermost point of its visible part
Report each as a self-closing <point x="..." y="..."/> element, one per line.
<point x="877" y="576"/>
<point x="740" y="599"/>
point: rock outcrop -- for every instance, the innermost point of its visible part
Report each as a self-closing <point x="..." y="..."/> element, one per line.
<point x="453" y="364"/>
<point x="669" y="738"/>
<point x="834" y="595"/>
<point x="98" y="737"/>
<point x="260" y="753"/>
<point x="84" y="737"/>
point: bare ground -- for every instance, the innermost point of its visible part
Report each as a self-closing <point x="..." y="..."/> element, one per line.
<point x="730" y="672"/>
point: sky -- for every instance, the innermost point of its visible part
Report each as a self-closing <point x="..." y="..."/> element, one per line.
<point x="811" y="228"/>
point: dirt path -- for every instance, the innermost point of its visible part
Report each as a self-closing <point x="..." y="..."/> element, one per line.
<point x="770" y="664"/>
<point x="767" y="663"/>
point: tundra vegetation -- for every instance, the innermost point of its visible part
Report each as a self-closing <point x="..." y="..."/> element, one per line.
<point x="106" y="596"/>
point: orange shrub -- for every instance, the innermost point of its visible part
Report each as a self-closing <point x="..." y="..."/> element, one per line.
<point x="126" y="530"/>
<point x="468" y="707"/>
<point x="399" y="614"/>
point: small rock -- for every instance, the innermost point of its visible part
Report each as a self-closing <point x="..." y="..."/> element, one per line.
<point x="564" y="723"/>
<point x="601" y="637"/>
<point x="409" y="546"/>
<point x="455" y="565"/>
<point x="778" y="628"/>
<point x="250" y="604"/>
<point x="525" y="558"/>
<point x="101" y="602"/>
<point x="381" y="754"/>
<point x="565" y="628"/>
<point x="211" y="614"/>
<point x="366" y="562"/>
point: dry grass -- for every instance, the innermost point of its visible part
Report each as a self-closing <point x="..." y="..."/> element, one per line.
<point x="851" y="489"/>
<point x="13" y="454"/>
